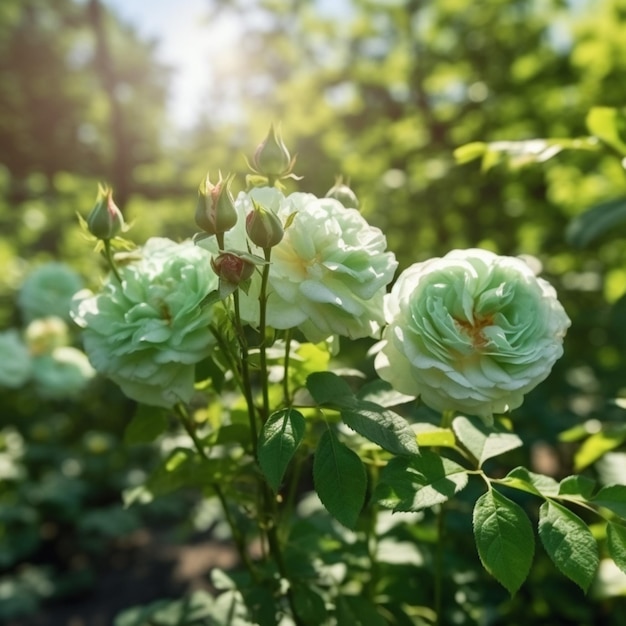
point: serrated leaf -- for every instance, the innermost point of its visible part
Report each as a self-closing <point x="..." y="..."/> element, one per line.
<point x="539" y="484"/>
<point x="145" y="426"/>
<point x="616" y="543"/>
<point x="279" y="439"/>
<point x="481" y="441"/>
<point x="381" y="426"/>
<point x="596" y="221"/>
<point x="569" y="543"/>
<point x="330" y="390"/>
<point x="597" y="446"/>
<point x="608" y="124"/>
<point x="612" y="497"/>
<point x="340" y="479"/>
<point x="504" y="539"/>
<point x="581" y="486"/>
<point x="419" y="482"/>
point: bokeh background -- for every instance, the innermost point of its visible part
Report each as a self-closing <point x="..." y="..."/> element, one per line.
<point x="148" y="96"/>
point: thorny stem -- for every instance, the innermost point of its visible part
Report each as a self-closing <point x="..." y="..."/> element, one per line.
<point x="237" y="536"/>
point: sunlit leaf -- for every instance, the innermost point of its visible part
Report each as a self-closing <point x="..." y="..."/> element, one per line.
<point x="381" y="426"/>
<point x="609" y="125"/>
<point x="419" y="482"/>
<point x="612" y="497"/>
<point x="597" y="445"/>
<point x="481" y="441"/>
<point x="504" y="539"/>
<point x="569" y="543"/>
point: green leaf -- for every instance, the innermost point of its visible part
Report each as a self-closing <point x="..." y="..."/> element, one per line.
<point x="597" y="446"/>
<point x="419" y="482"/>
<point x="581" y="486"/>
<point x="431" y="436"/>
<point x="358" y="611"/>
<point x="146" y="425"/>
<point x="616" y="543"/>
<point x="309" y="606"/>
<point x="280" y="437"/>
<point x="600" y="219"/>
<point x="504" y="539"/>
<point x="609" y="125"/>
<point x="382" y="426"/>
<point x="612" y="497"/>
<point x="481" y="441"/>
<point x="537" y="484"/>
<point x="340" y="479"/>
<point x="569" y="543"/>
<point x="470" y="152"/>
<point x="330" y="390"/>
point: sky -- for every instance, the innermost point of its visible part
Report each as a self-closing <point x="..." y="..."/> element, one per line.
<point x="185" y="43"/>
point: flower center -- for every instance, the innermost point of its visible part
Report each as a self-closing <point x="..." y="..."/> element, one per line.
<point x="475" y="330"/>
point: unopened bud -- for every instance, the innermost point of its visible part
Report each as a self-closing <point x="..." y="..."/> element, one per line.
<point x="232" y="268"/>
<point x="272" y="159"/>
<point x="105" y="220"/>
<point x="340" y="191"/>
<point x="215" y="209"/>
<point x="263" y="227"/>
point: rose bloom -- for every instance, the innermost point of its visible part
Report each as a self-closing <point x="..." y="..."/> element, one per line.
<point x="328" y="274"/>
<point x="48" y="290"/>
<point x="15" y="361"/>
<point x="147" y="333"/>
<point x="471" y="332"/>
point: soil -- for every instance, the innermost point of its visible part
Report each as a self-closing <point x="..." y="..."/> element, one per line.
<point x="139" y="569"/>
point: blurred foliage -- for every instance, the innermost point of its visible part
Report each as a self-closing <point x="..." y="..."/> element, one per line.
<point x="381" y="92"/>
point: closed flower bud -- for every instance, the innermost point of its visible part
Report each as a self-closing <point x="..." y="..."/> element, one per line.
<point x="215" y="209"/>
<point x="105" y="220"/>
<point x="263" y="227"/>
<point x="232" y="268"/>
<point x="340" y="191"/>
<point x="272" y="159"/>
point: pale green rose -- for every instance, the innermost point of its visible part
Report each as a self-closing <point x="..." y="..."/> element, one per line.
<point x="63" y="373"/>
<point x="471" y="332"/>
<point x="328" y="274"/>
<point x="48" y="290"/>
<point x="15" y="360"/>
<point x="148" y="333"/>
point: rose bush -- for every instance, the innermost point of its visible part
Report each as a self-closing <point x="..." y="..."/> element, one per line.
<point x="147" y="332"/>
<point x="472" y="332"/>
<point x="328" y="273"/>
